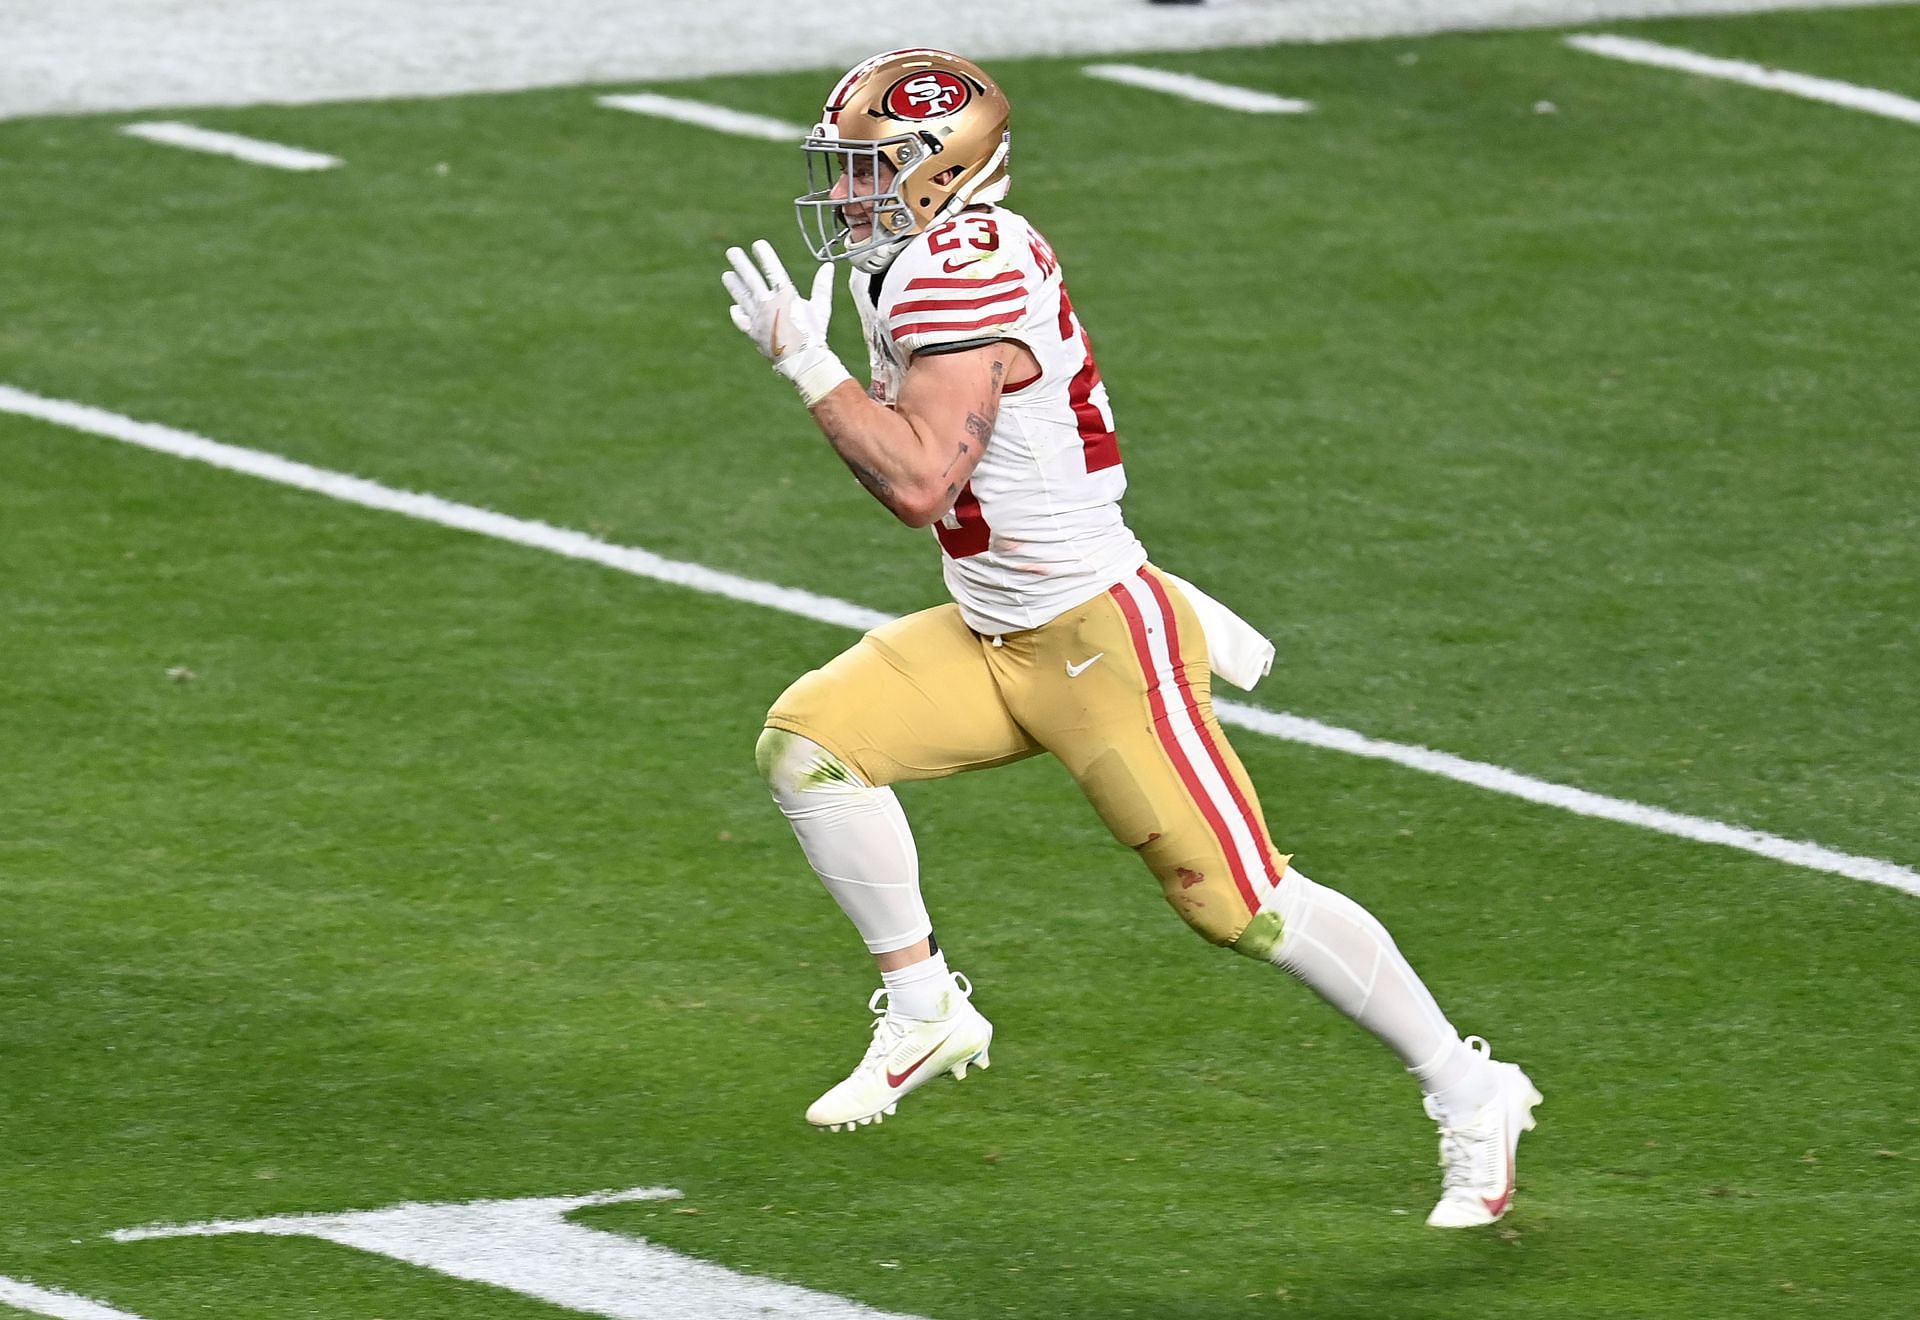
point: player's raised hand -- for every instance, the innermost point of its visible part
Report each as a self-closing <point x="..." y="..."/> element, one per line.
<point x="790" y="331"/>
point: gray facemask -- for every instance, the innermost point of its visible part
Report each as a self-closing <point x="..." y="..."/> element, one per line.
<point x="823" y="222"/>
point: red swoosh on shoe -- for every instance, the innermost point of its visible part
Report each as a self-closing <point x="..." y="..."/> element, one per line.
<point x="896" y="1079"/>
<point x="1497" y="1205"/>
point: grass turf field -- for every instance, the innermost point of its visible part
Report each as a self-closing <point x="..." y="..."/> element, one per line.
<point x="1583" y="443"/>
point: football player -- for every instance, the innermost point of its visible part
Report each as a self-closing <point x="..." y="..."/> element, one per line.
<point x="986" y="420"/>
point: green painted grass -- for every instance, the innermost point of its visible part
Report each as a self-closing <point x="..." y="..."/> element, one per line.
<point x="1583" y="443"/>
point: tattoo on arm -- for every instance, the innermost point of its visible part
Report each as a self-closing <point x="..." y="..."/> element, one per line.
<point x="871" y="479"/>
<point x="980" y="424"/>
<point x="981" y="429"/>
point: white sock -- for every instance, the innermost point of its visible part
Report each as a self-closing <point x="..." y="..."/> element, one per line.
<point x="855" y="837"/>
<point x="925" y="990"/>
<point x="1460" y="1083"/>
<point x="1346" y="956"/>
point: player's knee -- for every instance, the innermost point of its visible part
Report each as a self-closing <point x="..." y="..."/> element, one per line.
<point x="1216" y="914"/>
<point x="768" y="751"/>
<point x="1255" y="935"/>
<point x="792" y="763"/>
<point x="1206" y="914"/>
<point x="1290" y="902"/>
<point x="1218" y="929"/>
<point x="1260" y="937"/>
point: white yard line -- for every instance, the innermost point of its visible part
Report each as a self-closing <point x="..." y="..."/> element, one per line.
<point x="716" y="117"/>
<point x="251" y="150"/>
<point x="1634" y="51"/>
<point x="826" y="609"/>
<point x="531" y="1247"/>
<point x="51" y="1301"/>
<point x="1579" y="801"/>
<point x="1205" y="90"/>
<point x="433" y="509"/>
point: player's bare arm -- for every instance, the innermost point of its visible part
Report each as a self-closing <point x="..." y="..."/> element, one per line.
<point x="915" y="456"/>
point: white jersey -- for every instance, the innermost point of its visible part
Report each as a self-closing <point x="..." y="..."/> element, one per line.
<point x="1038" y="529"/>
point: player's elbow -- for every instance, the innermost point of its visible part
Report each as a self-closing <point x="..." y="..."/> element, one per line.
<point x="921" y="507"/>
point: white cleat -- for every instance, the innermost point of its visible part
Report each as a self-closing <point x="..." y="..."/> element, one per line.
<point x="1477" y="1156"/>
<point x="905" y="1053"/>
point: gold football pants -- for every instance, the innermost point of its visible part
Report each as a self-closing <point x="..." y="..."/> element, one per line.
<point x="1117" y="688"/>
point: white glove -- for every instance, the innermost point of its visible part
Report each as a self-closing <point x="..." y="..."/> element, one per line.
<point x="790" y="331"/>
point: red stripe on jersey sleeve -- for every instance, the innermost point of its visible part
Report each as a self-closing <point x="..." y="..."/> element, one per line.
<point x="927" y="327"/>
<point x="934" y="282"/>
<point x="948" y="303"/>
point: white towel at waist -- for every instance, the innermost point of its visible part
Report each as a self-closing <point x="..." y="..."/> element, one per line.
<point x="1236" y="649"/>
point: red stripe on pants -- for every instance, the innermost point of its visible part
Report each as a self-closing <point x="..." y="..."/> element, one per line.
<point x="1255" y="826"/>
<point x="1177" y="754"/>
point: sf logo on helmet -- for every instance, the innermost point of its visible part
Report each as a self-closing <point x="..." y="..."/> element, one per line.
<point x="927" y="95"/>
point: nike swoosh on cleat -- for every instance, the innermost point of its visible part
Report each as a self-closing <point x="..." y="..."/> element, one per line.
<point x="1497" y="1205"/>
<point x="1074" y="671"/>
<point x="897" y="1079"/>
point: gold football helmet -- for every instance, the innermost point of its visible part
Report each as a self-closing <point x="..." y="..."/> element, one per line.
<point x="938" y="123"/>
